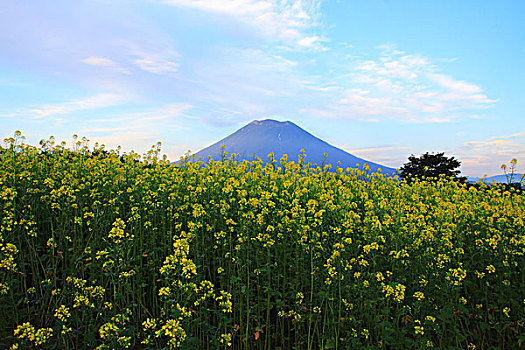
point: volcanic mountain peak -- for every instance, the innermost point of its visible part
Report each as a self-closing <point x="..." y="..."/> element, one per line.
<point x="267" y="122"/>
<point x="261" y="137"/>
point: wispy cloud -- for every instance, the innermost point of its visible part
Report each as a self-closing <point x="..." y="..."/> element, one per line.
<point x="393" y="155"/>
<point x="132" y="128"/>
<point x="284" y="20"/>
<point x="245" y="84"/>
<point x="157" y="67"/>
<point x="102" y="49"/>
<point x="91" y="102"/>
<point x="486" y="156"/>
<point x="158" y="63"/>
<point x="455" y="86"/>
<point x="397" y="65"/>
<point x="104" y="62"/>
<point x="313" y="42"/>
<point x="141" y="128"/>
<point x="139" y="120"/>
<point x="402" y="86"/>
<point x="140" y="139"/>
<point x="512" y="136"/>
<point x="478" y="158"/>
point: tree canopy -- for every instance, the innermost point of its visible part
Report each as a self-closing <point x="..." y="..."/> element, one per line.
<point x="431" y="166"/>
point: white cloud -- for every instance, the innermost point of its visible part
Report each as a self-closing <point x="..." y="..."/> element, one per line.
<point x="244" y="84"/>
<point x="92" y="102"/>
<point x="409" y="87"/>
<point x="141" y="140"/>
<point x="457" y="86"/>
<point x="103" y="62"/>
<point x="512" y="136"/>
<point x="138" y="120"/>
<point x="478" y="158"/>
<point x="154" y="58"/>
<point x="368" y="105"/>
<point x="312" y="42"/>
<point x="232" y="7"/>
<point x="96" y="46"/>
<point x="157" y="66"/>
<point x="407" y="67"/>
<point x="392" y="155"/>
<point x="141" y="129"/>
<point x="284" y="20"/>
<point x="486" y="156"/>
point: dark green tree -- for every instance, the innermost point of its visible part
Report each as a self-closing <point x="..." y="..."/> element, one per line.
<point x="430" y="167"/>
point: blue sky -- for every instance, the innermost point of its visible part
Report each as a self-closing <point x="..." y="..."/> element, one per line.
<point x="381" y="79"/>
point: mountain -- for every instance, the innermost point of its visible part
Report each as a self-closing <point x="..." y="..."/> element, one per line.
<point x="497" y="178"/>
<point x="259" y="138"/>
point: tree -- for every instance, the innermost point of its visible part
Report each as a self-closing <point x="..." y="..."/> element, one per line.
<point x="431" y="166"/>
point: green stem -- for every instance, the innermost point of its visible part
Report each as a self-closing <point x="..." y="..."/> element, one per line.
<point x="311" y="298"/>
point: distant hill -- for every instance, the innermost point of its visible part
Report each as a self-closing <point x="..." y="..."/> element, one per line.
<point x="259" y="138"/>
<point x="496" y="178"/>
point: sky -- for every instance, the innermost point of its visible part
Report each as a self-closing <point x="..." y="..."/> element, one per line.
<point x="381" y="79"/>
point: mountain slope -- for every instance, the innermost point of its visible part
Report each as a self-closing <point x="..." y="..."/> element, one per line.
<point x="259" y="138"/>
<point x="497" y="178"/>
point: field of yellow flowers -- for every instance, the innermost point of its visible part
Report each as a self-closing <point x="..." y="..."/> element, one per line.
<point x="102" y="250"/>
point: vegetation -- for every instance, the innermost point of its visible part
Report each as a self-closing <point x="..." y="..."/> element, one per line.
<point x="430" y="167"/>
<point x="510" y="174"/>
<point x="106" y="250"/>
